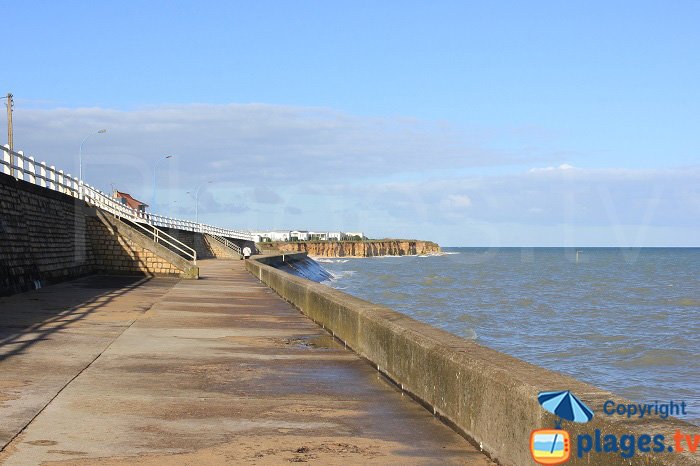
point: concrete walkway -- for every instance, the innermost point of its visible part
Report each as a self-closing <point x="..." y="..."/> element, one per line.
<point x="107" y="370"/>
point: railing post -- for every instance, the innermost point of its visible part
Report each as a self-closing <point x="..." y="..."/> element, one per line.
<point x="19" y="174"/>
<point x="60" y="181"/>
<point x="68" y="181"/>
<point x="52" y="178"/>
<point x="42" y="174"/>
<point x="6" y="160"/>
<point x="75" y="191"/>
<point x="31" y="170"/>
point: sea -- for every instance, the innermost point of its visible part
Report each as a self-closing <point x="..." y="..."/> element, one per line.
<point x="626" y="320"/>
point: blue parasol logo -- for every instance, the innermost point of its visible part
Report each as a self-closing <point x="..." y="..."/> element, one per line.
<point x="566" y="406"/>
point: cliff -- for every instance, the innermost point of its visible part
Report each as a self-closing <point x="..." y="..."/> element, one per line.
<point x="386" y="247"/>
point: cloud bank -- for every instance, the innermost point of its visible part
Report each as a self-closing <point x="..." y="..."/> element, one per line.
<point x="274" y="166"/>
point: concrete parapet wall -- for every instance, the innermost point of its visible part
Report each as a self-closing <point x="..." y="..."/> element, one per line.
<point x="488" y="396"/>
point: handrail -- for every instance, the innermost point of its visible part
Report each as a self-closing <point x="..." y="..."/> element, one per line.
<point x="159" y="236"/>
<point x="228" y="244"/>
<point x="24" y="168"/>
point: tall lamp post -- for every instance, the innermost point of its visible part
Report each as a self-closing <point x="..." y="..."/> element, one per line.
<point x="155" y="166"/>
<point x="196" y="200"/>
<point x="80" y="158"/>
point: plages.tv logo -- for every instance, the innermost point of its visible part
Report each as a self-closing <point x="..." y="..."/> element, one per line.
<point x="553" y="446"/>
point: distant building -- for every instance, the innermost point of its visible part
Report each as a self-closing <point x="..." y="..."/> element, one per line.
<point x="304" y="235"/>
<point x="318" y="235"/>
<point x="355" y="235"/>
<point x="280" y="235"/>
<point x="127" y="200"/>
<point x="276" y="235"/>
<point x="299" y="235"/>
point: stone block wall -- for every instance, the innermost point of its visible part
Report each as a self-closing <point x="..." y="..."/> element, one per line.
<point x="48" y="237"/>
<point x="194" y="240"/>
<point x="113" y="251"/>
<point x="42" y="237"/>
<point x="219" y="250"/>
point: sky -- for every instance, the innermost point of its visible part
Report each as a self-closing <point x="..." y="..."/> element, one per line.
<point x="467" y="123"/>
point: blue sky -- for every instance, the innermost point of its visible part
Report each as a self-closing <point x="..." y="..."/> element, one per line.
<point x="470" y="123"/>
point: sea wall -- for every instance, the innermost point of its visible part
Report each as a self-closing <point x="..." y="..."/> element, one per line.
<point x="47" y="237"/>
<point x="42" y="237"/>
<point x="488" y="396"/>
<point x="369" y="248"/>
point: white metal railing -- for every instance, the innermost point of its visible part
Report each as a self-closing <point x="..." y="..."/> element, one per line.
<point x="228" y="244"/>
<point x="159" y="236"/>
<point x="25" y="168"/>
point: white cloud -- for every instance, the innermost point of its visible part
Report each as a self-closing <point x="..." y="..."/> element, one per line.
<point x="317" y="168"/>
<point x="581" y="197"/>
<point x="246" y="143"/>
<point x="562" y="167"/>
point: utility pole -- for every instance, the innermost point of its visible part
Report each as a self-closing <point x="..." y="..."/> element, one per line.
<point x="10" y="104"/>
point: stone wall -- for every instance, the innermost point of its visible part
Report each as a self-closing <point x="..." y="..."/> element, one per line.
<point x="219" y="250"/>
<point x="47" y="237"/>
<point x="42" y="237"/>
<point x="193" y="240"/>
<point x="115" y="247"/>
<point x="488" y="396"/>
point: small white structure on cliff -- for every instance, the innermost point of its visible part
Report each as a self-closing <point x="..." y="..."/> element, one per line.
<point x="276" y="235"/>
<point x="299" y="235"/>
<point x="305" y="235"/>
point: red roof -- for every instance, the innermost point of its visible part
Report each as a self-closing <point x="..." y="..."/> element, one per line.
<point x="130" y="201"/>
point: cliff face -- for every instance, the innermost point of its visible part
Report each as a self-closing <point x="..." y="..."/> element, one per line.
<point x="359" y="248"/>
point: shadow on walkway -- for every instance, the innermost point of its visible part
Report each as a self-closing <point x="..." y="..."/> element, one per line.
<point x="31" y="317"/>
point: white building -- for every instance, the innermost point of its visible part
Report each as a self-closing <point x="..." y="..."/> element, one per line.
<point x="304" y="235"/>
<point x="318" y="235"/>
<point x="336" y="236"/>
<point x="276" y="235"/>
<point x="280" y="235"/>
<point x="299" y="235"/>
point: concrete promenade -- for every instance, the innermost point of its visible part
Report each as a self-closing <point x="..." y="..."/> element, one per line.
<point x="114" y="370"/>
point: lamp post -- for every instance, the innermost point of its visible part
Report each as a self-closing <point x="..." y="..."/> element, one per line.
<point x="155" y="166"/>
<point x="196" y="200"/>
<point x="80" y="158"/>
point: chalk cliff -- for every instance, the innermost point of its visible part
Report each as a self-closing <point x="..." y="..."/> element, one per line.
<point x="387" y="247"/>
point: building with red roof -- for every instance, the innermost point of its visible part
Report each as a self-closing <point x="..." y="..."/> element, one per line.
<point x="128" y="200"/>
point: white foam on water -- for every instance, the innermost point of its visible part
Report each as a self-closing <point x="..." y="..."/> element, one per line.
<point x="329" y="261"/>
<point x="335" y="276"/>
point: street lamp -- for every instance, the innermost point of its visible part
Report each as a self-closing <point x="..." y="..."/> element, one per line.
<point x="80" y="158"/>
<point x="155" y="166"/>
<point x="196" y="200"/>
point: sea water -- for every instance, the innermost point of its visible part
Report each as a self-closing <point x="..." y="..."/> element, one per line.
<point x="626" y="320"/>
